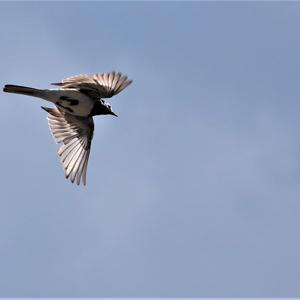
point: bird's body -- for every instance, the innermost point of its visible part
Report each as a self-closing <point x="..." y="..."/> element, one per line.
<point x="71" y="101"/>
<point x="78" y="99"/>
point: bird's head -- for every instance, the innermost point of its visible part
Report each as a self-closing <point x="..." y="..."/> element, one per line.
<point x="109" y="110"/>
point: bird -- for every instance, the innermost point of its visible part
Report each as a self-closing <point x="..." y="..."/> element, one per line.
<point x="77" y="100"/>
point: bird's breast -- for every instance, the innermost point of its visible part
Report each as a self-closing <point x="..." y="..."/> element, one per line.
<point x="74" y="102"/>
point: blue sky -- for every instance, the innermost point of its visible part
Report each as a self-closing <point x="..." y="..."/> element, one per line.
<point x="194" y="191"/>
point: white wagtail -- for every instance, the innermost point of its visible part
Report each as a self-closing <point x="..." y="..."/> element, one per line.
<point x="77" y="100"/>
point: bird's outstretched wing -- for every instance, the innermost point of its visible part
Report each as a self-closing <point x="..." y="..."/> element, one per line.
<point x="99" y="85"/>
<point x="75" y="134"/>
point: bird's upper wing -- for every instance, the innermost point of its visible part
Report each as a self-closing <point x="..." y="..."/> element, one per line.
<point x="99" y="85"/>
<point x="75" y="134"/>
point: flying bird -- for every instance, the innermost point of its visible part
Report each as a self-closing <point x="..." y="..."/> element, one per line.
<point x="77" y="100"/>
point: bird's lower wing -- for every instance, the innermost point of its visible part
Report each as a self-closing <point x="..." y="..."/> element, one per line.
<point x="75" y="134"/>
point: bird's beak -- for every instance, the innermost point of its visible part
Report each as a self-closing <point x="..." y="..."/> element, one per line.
<point x="112" y="113"/>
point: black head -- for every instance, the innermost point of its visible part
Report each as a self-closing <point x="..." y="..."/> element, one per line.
<point x="102" y="108"/>
<point x="109" y="110"/>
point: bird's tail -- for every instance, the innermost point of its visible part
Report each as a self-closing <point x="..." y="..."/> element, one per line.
<point x="24" y="90"/>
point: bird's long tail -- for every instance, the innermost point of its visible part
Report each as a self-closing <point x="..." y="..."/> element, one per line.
<point x="24" y="90"/>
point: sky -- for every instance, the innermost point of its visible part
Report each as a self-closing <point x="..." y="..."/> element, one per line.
<point x="194" y="190"/>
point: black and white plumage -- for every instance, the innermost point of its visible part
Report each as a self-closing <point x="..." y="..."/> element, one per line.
<point x="77" y="100"/>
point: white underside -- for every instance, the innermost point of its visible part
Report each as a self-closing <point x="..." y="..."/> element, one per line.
<point x="85" y="103"/>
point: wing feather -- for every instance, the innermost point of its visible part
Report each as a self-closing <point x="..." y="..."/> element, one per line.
<point x="81" y="168"/>
<point x="75" y="134"/>
<point x="76" y="165"/>
<point x="99" y="85"/>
